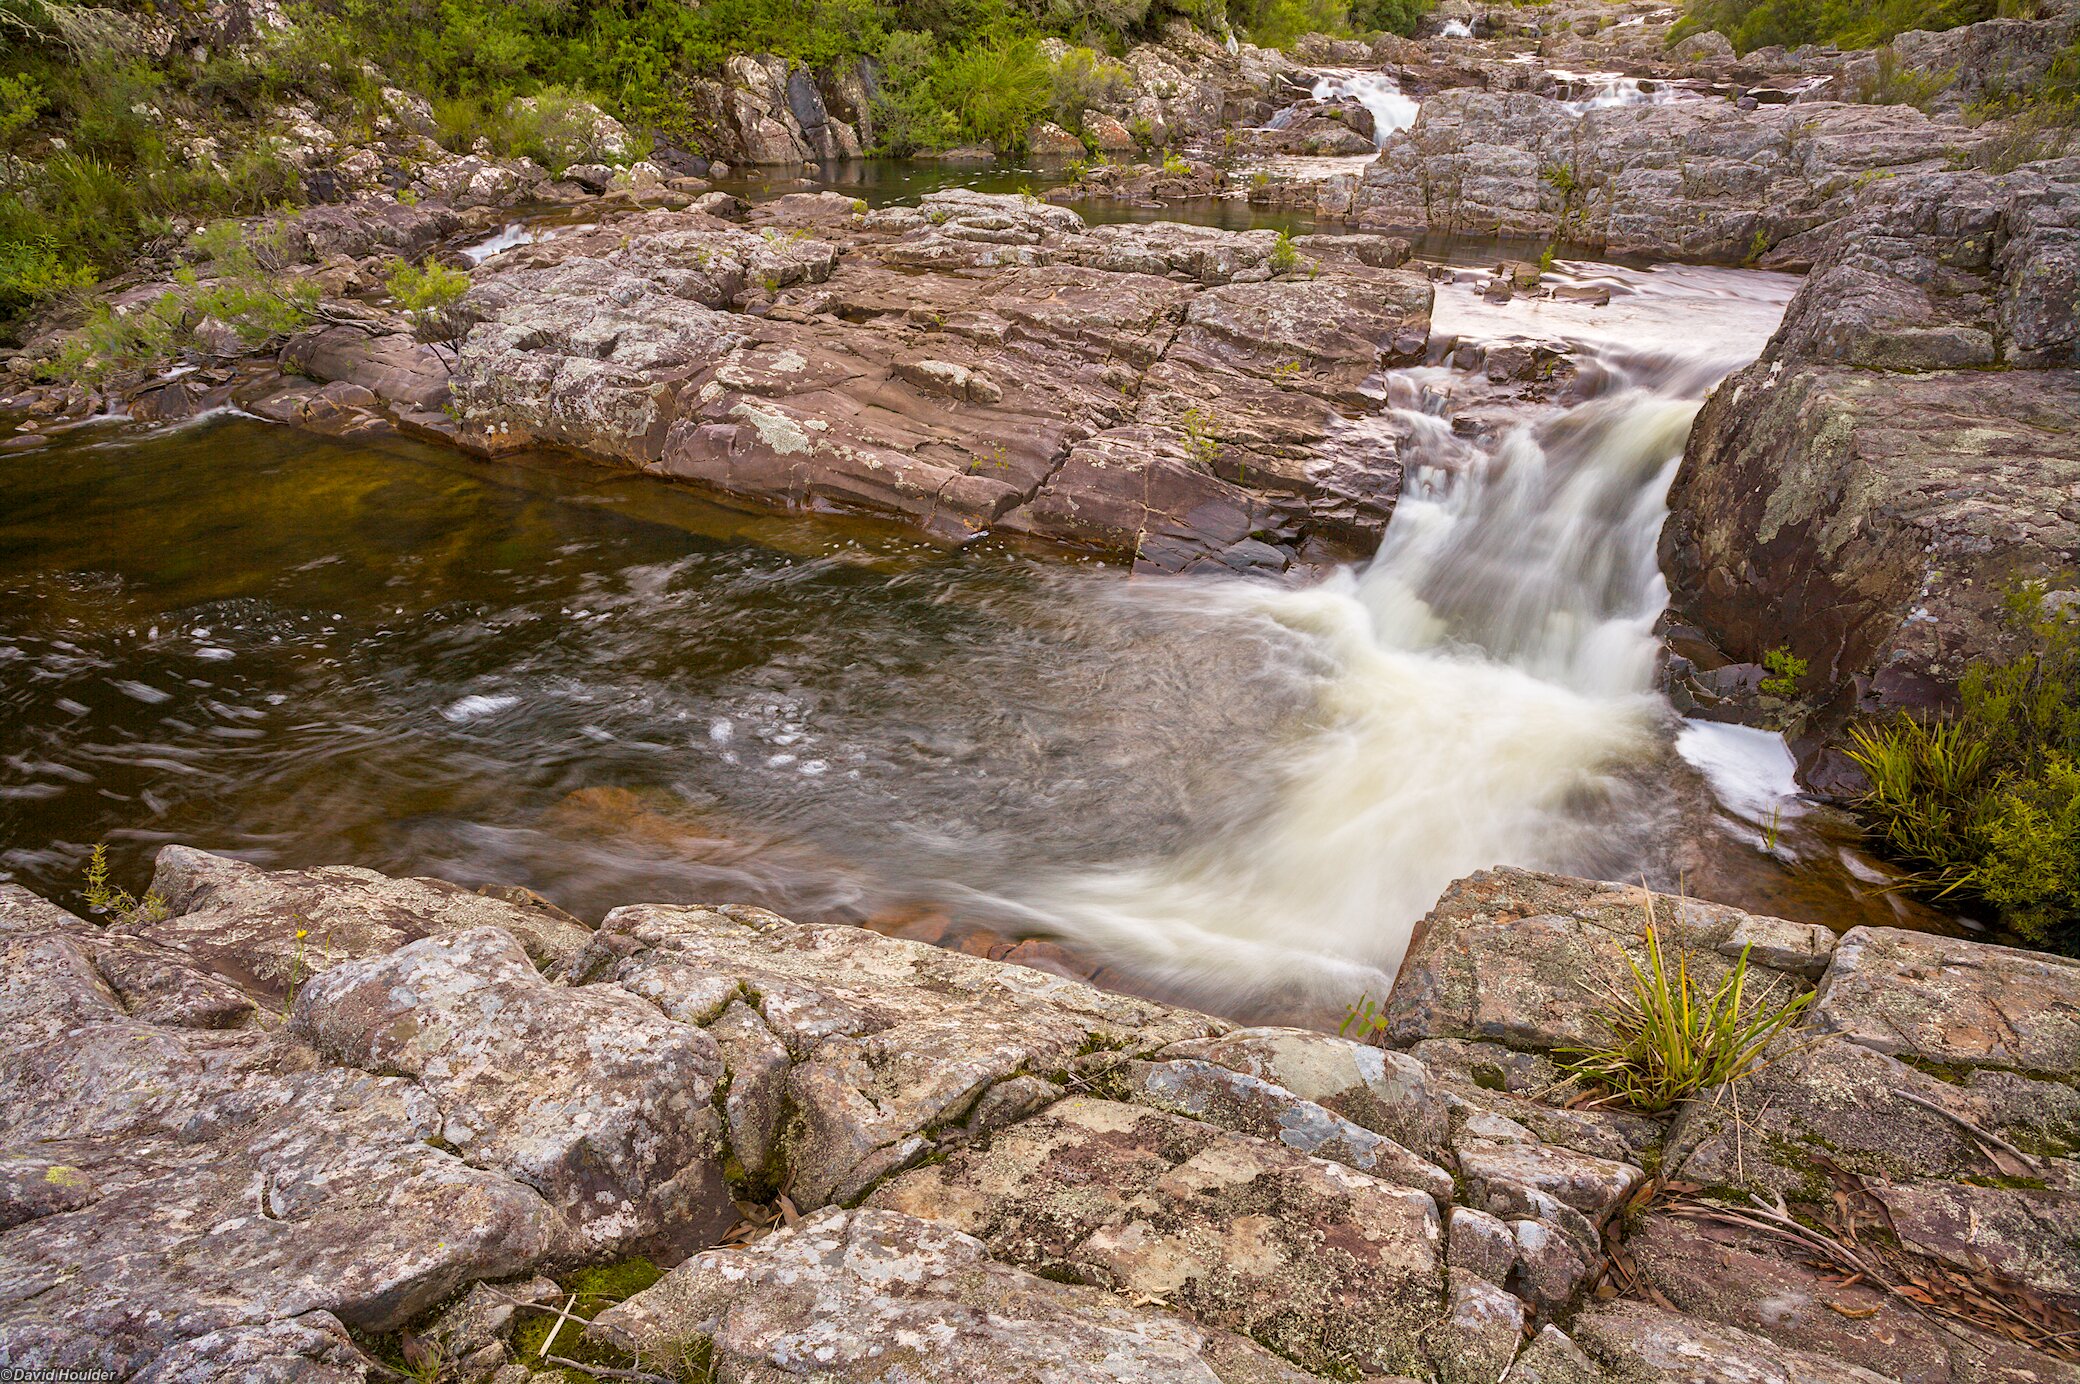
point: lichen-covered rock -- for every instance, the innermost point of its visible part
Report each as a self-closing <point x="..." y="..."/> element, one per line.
<point x="878" y="1296"/>
<point x="273" y="929"/>
<point x="585" y="1093"/>
<point x="1527" y="959"/>
<point x="1688" y="180"/>
<point x="970" y="364"/>
<point x="1866" y="494"/>
<point x="1479" y="1243"/>
<point x="1954" y="1002"/>
<point x="1637" y="1341"/>
<point x="1330" y="1267"/>
<point x="1871" y="1114"/>
<point x="1389" y="1092"/>
<point x="1477" y="1340"/>
<point x="890" y="1041"/>
<point x="311" y="1349"/>
<point x="1596" y="1187"/>
<point x="1252" y="1105"/>
<point x="1769" y="1288"/>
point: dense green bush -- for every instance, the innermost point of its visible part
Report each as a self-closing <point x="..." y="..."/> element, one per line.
<point x="1986" y="803"/>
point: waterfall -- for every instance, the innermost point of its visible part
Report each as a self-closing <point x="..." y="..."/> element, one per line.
<point x="1485" y="683"/>
<point x="1391" y="108"/>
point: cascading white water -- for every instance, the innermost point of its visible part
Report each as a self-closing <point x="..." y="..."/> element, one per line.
<point x="1607" y="91"/>
<point x="1485" y="683"/>
<point x="1392" y="109"/>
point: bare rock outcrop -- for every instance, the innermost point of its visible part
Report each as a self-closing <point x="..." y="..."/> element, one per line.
<point x="980" y="1170"/>
<point x="1867" y="493"/>
<point x="976" y="363"/>
<point x="1700" y="180"/>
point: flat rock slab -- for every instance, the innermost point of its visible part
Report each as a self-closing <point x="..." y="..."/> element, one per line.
<point x="273" y="929"/>
<point x="877" y="1297"/>
<point x="1952" y="1001"/>
<point x="1637" y="1342"/>
<point x="1765" y="1286"/>
<point x="2026" y="1235"/>
<point x="1527" y="959"/>
<point x="890" y="1042"/>
<point x="1333" y="1269"/>
<point x="1874" y="1116"/>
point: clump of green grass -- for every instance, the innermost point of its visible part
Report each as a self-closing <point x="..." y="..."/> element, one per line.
<point x="1892" y="83"/>
<point x="1670" y="1038"/>
<point x="1985" y="803"/>
<point x="115" y="902"/>
<point x="1285" y="256"/>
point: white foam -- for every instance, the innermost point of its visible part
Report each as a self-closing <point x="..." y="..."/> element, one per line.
<point x="1751" y="771"/>
<point x="476" y="706"/>
<point x="1392" y="109"/>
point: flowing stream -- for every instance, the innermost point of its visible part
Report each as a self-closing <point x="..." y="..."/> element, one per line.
<point x="306" y="651"/>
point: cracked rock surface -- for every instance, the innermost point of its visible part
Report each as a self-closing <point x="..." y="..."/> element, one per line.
<point x="215" y="1169"/>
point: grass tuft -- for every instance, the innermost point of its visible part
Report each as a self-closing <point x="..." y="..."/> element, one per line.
<point x="1670" y="1039"/>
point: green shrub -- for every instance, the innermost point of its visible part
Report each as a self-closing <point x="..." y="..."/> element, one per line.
<point x="1276" y="23"/>
<point x="995" y="91"/>
<point x="1986" y="803"/>
<point x="1393" y="16"/>
<point x="1285" y="256"/>
<point x="1786" y="669"/>
<point x="1081" y="80"/>
<point x="243" y="291"/>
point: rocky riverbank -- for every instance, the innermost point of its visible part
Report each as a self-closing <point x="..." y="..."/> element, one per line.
<point x="1174" y="395"/>
<point x="307" y="1119"/>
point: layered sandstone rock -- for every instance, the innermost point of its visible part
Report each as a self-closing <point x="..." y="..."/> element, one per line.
<point x="1702" y="180"/>
<point x="1165" y="393"/>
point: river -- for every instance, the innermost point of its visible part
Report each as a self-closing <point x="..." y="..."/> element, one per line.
<point x="1239" y="793"/>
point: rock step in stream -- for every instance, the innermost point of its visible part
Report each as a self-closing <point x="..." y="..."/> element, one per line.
<point x="300" y="1111"/>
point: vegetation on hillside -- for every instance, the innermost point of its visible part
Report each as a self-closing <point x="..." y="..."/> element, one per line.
<point x="1985" y="803"/>
<point x="109" y="139"/>
<point x="1752" y="24"/>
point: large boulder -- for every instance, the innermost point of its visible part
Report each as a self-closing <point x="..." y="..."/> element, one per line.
<point x="586" y="1094"/>
<point x="1528" y="960"/>
<point x="1867" y="494"/>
